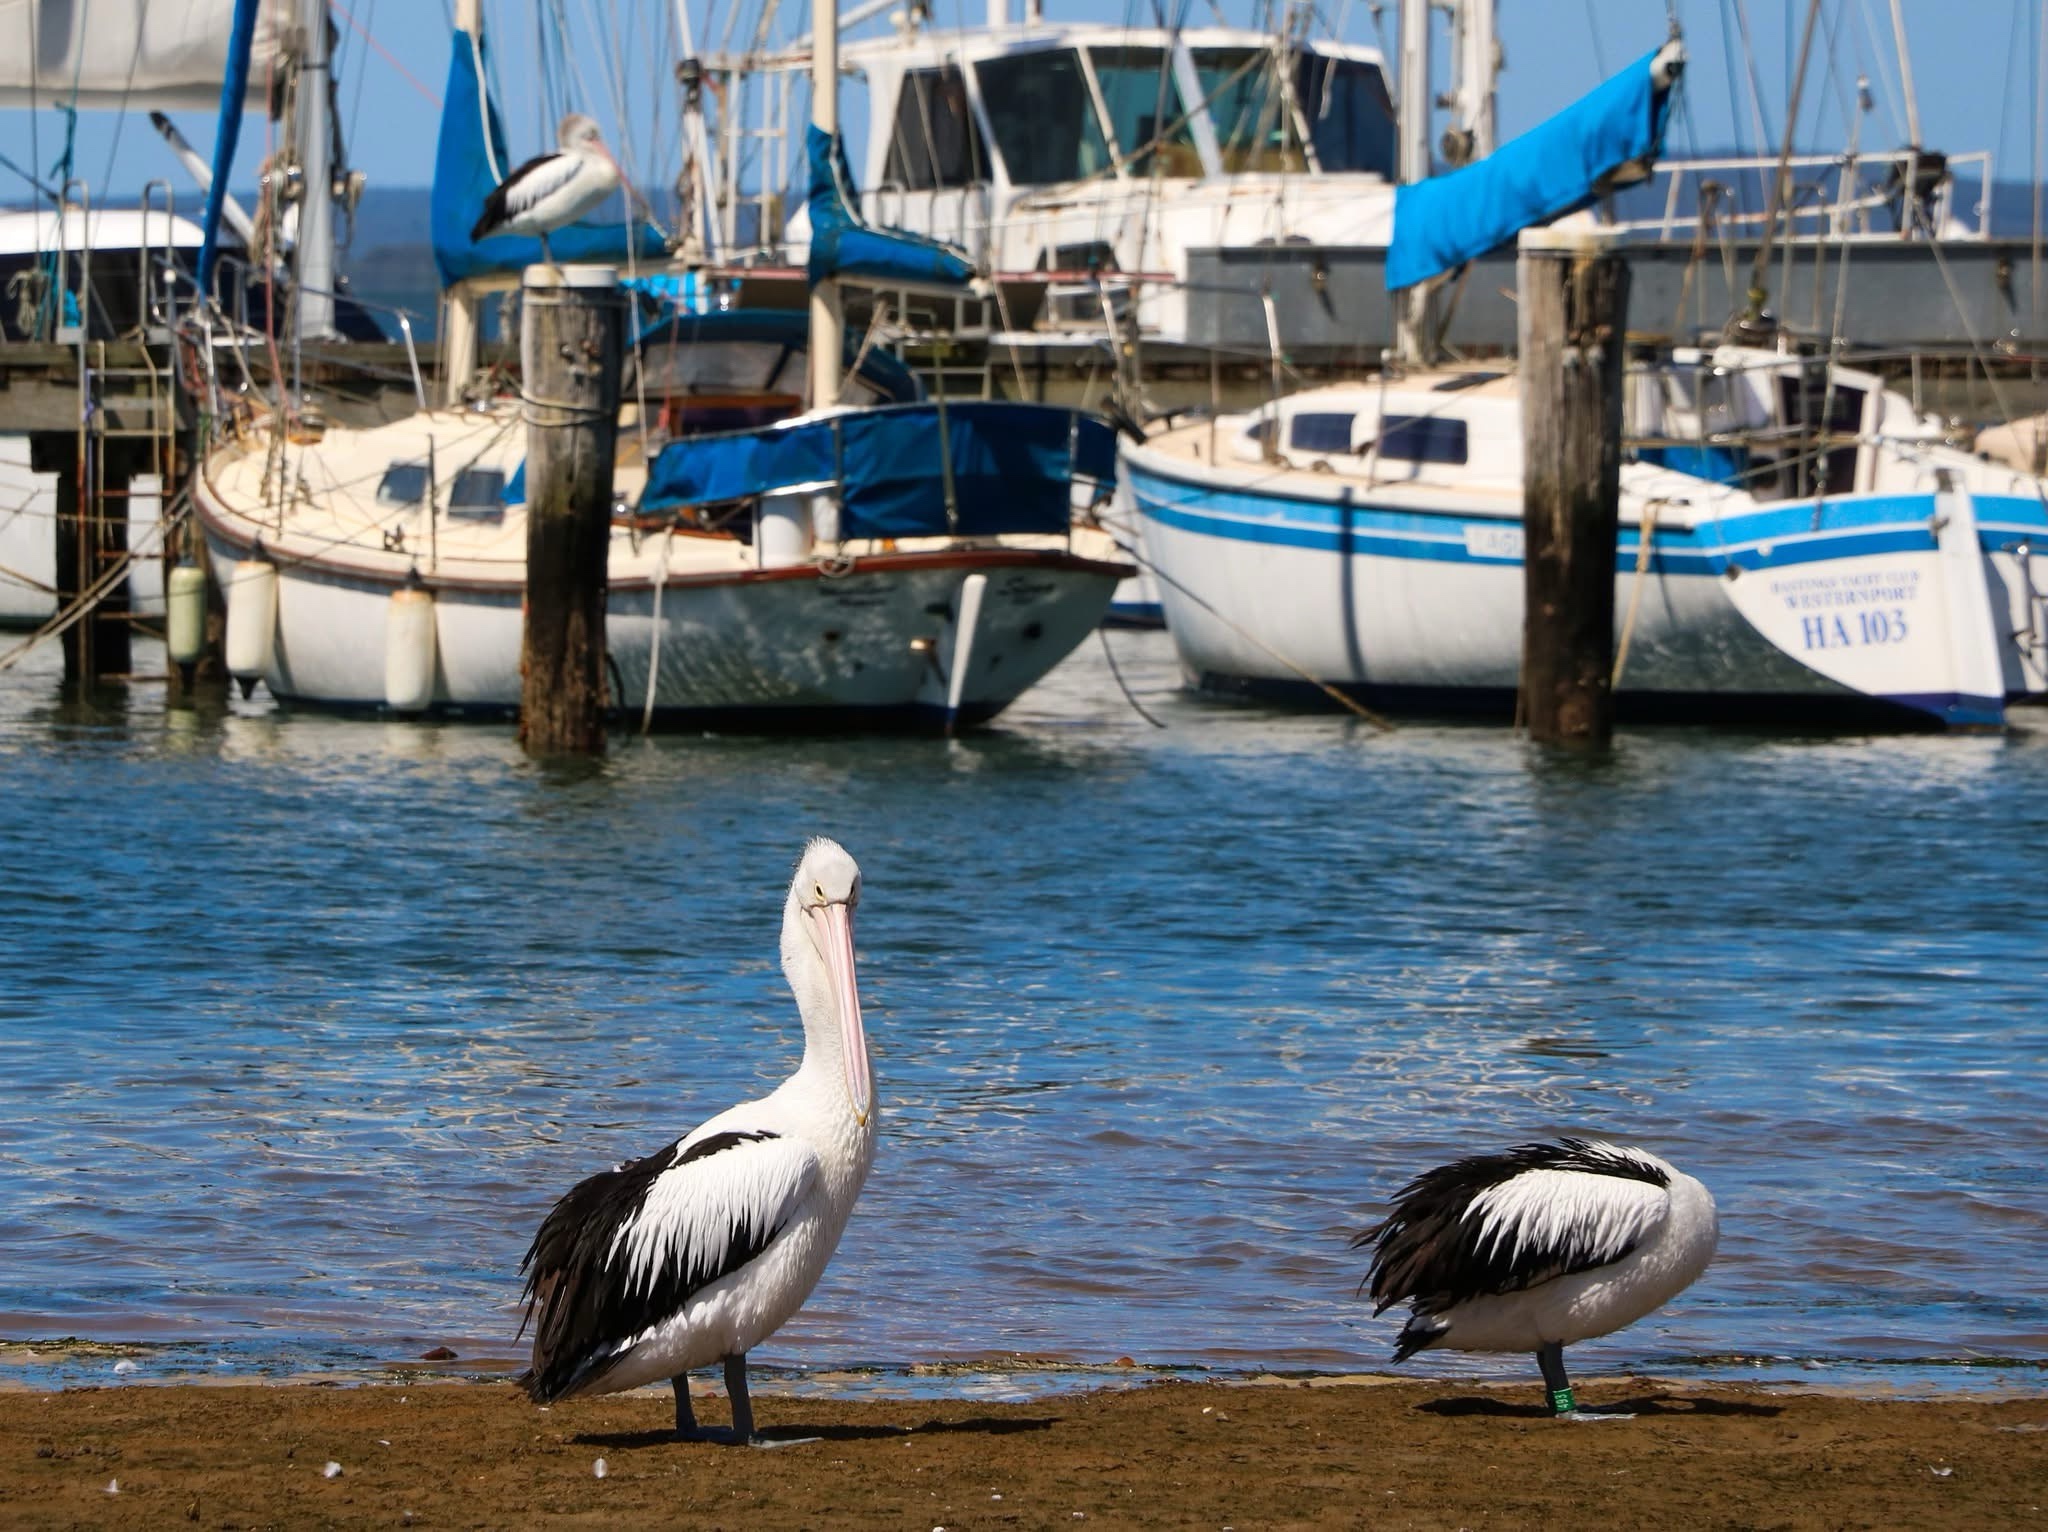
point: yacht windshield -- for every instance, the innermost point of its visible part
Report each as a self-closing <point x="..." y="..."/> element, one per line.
<point x="1144" y="104"/>
<point x="1343" y="102"/>
<point x="1252" y="127"/>
<point x="1043" y="119"/>
<point x="1350" y="119"/>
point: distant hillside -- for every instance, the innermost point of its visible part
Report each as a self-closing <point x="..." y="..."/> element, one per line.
<point x="390" y="258"/>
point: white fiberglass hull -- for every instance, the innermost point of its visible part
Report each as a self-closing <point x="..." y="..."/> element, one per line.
<point x="1876" y="607"/>
<point x="701" y="630"/>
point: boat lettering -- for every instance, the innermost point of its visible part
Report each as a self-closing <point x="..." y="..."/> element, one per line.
<point x="1825" y="592"/>
<point x="1869" y="627"/>
<point x="1493" y="542"/>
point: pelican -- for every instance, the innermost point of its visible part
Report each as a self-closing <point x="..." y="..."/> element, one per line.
<point x="1538" y="1247"/>
<point x="700" y="1251"/>
<point x="552" y="191"/>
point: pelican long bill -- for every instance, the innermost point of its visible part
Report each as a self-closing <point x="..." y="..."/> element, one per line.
<point x="834" y="923"/>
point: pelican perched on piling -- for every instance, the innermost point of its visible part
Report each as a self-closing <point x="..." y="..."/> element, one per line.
<point x="1538" y="1247"/>
<point x="552" y="191"/>
<point x="700" y="1251"/>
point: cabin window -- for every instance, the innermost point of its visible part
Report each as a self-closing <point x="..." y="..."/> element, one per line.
<point x="1422" y="439"/>
<point x="1804" y="400"/>
<point x="478" y="493"/>
<point x="1320" y="433"/>
<point x="1253" y="131"/>
<point x="1144" y="105"/>
<point x="1042" y="116"/>
<point x="1350" y="118"/>
<point x="1260" y="431"/>
<point x="937" y="142"/>
<point x="403" y="484"/>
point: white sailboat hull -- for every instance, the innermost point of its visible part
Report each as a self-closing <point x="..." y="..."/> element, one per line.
<point x="1410" y="599"/>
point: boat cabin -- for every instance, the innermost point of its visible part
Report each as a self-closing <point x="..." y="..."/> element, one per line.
<point x="963" y="123"/>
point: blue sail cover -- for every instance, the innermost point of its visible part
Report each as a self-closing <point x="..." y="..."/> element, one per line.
<point x="464" y="177"/>
<point x="1555" y="168"/>
<point x="842" y="245"/>
<point x="1012" y="467"/>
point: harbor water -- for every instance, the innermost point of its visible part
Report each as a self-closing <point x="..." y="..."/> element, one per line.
<point x="305" y="1021"/>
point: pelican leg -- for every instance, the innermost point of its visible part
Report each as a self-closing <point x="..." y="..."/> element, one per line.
<point x="686" y="1418"/>
<point x="742" y="1406"/>
<point x="1557" y="1389"/>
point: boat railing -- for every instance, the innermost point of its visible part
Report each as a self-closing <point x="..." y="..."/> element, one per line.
<point x="151" y="321"/>
<point x="1836" y="196"/>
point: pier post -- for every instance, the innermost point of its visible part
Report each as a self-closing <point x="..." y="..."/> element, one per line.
<point x="571" y="326"/>
<point x="1573" y="318"/>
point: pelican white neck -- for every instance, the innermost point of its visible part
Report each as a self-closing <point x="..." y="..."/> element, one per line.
<point x="817" y="958"/>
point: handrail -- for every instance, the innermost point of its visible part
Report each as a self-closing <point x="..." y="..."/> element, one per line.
<point x="145" y="290"/>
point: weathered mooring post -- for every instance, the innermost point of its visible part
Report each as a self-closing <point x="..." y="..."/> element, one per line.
<point x="1573" y="322"/>
<point x="570" y="346"/>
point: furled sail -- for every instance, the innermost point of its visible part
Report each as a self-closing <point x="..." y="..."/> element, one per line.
<point x="843" y="245"/>
<point x="468" y="165"/>
<point x="166" y="54"/>
<point x="1608" y="137"/>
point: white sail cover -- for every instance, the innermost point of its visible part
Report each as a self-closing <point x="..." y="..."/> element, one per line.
<point x="167" y="54"/>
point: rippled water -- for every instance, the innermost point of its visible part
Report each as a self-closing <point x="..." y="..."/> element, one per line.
<point x="303" y="1022"/>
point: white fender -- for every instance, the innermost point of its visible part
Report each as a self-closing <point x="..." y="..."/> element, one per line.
<point x="409" y="649"/>
<point x="965" y="621"/>
<point x="251" y="591"/>
<point x="185" y="613"/>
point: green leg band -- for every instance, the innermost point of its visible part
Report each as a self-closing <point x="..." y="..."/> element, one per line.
<point x="1561" y="1402"/>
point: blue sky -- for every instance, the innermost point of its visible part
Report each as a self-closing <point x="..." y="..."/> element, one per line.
<point x="1972" y="64"/>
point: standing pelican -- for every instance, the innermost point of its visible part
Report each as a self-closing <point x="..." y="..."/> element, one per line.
<point x="1539" y="1247"/>
<point x="551" y="191"/>
<point x="700" y="1251"/>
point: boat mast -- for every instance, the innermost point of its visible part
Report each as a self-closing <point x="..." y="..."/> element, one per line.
<point x="1478" y="59"/>
<point x="1412" y="325"/>
<point x="460" y="323"/>
<point x="828" y="307"/>
<point x="315" y="247"/>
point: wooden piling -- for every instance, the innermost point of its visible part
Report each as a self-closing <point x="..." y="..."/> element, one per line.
<point x="1573" y="316"/>
<point x="571" y="326"/>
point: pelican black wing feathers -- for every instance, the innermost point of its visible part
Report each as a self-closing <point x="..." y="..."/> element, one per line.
<point x="519" y="191"/>
<point x="582" y="1299"/>
<point x="1433" y="1253"/>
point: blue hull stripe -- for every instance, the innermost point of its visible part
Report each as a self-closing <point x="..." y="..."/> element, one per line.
<point x="1778" y="536"/>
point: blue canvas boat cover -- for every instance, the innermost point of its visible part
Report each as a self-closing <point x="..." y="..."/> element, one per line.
<point x="1011" y="467"/>
<point x="843" y="245"/>
<point x="1555" y="168"/>
<point x="466" y="169"/>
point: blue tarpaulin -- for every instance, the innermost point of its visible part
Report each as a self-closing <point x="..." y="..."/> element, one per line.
<point x="465" y="172"/>
<point x="1553" y="169"/>
<point x="1011" y="467"/>
<point x="842" y="245"/>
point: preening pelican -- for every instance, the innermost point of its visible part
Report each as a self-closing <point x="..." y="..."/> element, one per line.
<point x="552" y="191"/>
<point x="1539" y="1247"/>
<point x="700" y="1251"/>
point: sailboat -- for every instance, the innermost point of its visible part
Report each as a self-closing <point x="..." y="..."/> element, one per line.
<point x="878" y="560"/>
<point x="1796" y="542"/>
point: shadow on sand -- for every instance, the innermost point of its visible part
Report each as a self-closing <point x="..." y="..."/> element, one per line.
<point x="628" y="1441"/>
<point x="1655" y="1404"/>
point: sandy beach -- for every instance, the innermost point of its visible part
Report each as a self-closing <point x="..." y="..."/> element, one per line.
<point x="1286" y="1454"/>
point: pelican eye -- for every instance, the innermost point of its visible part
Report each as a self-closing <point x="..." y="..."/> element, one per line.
<point x="820" y="890"/>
